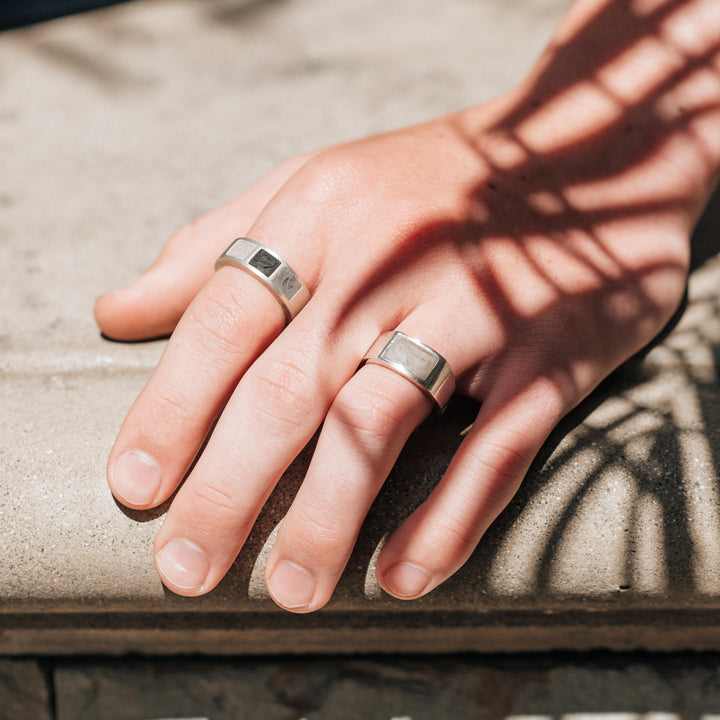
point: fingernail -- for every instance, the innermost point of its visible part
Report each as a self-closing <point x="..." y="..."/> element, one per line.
<point x="136" y="478"/>
<point x="183" y="563"/>
<point x="406" y="580"/>
<point x="291" y="586"/>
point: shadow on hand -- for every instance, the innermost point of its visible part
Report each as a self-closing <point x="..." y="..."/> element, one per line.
<point x="639" y="433"/>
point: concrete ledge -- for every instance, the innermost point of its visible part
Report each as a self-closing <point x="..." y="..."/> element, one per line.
<point x="376" y="632"/>
<point x="134" y="124"/>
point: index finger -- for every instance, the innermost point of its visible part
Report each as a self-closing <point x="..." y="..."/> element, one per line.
<point x="228" y="324"/>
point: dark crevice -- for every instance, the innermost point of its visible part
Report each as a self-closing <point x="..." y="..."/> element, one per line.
<point x="16" y="14"/>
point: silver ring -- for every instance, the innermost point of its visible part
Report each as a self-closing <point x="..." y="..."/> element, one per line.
<point x="268" y="267"/>
<point x="417" y="362"/>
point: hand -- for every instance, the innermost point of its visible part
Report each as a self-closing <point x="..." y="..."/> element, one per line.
<point x="535" y="244"/>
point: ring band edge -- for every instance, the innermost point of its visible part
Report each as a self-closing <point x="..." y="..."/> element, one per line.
<point x="291" y="306"/>
<point x="443" y="385"/>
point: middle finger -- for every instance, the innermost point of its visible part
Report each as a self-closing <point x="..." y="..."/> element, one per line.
<point x="272" y="414"/>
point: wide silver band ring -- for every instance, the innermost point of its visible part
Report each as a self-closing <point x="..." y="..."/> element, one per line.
<point x="417" y="362"/>
<point x="268" y="267"/>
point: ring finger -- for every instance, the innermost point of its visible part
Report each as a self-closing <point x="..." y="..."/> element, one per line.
<point x="365" y="429"/>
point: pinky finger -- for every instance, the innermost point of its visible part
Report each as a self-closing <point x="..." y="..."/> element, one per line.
<point x="439" y="537"/>
<point x="152" y="305"/>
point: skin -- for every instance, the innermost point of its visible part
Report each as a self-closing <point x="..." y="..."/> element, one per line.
<point x="551" y="226"/>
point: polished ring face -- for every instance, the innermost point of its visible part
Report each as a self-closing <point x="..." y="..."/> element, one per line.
<point x="417" y="362"/>
<point x="266" y="265"/>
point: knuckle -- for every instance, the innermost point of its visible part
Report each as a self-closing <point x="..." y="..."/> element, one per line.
<point x="540" y="349"/>
<point x="216" y="497"/>
<point x="370" y="413"/>
<point x="185" y="236"/>
<point x="285" y="390"/>
<point x="552" y="377"/>
<point x="315" y="534"/>
<point x="222" y="321"/>
<point x="457" y="539"/>
<point x="333" y="178"/>
<point x="163" y="416"/>
<point x="554" y="395"/>
<point x="501" y="460"/>
<point x="170" y="409"/>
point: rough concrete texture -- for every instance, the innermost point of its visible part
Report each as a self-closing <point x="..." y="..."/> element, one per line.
<point x="118" y="126"/>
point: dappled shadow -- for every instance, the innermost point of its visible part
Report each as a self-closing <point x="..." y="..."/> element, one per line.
<point x="706" y="238"/>
<point x="100" y="55"/>
<point x="242" y="12"/>
<point x="637" y="431"/>
<point x="672" y="468"/>
<point x="643" y="430"/>
<point x="518" y="201"/>
<point x="651" y="428"/>
<point x="656" y="444"/>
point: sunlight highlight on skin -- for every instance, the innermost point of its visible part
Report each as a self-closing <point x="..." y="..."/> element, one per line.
<point x="640" y="69"/>
<point x="693" y="33"/>
<point x="538" y="242"/>
<point x="582" y="110"/>
<point x="644" y="8"/>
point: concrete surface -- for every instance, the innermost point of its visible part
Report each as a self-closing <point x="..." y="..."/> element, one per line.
<point x="118" y="126"/>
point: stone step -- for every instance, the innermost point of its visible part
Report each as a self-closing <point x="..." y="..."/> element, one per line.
<point x="599" y="686"/>
<point x="144" y="114"/>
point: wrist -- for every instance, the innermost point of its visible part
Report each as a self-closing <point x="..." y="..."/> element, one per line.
<point x="625" y="103"/>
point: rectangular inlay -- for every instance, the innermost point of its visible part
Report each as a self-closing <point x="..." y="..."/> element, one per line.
<point x="264" y="262"/>
<point x="403" y="351"/>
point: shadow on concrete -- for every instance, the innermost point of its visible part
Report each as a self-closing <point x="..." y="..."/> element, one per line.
<point x="665" y="471"/>
<point x="506" y="210"/>
<point x="98" y="62"/>
<point x="241" y="12"/>
<point x="661" y="474"/>
<point x="674" y="474"/>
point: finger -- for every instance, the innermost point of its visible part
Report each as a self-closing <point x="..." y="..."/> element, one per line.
<point x="437" y="539"/>
<point x="152" y="305"/>
<point x="274" y="411"/>
<point x="226" y="327"/>
<point x="363" y="433"/>
<point x="362" y="436"/>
